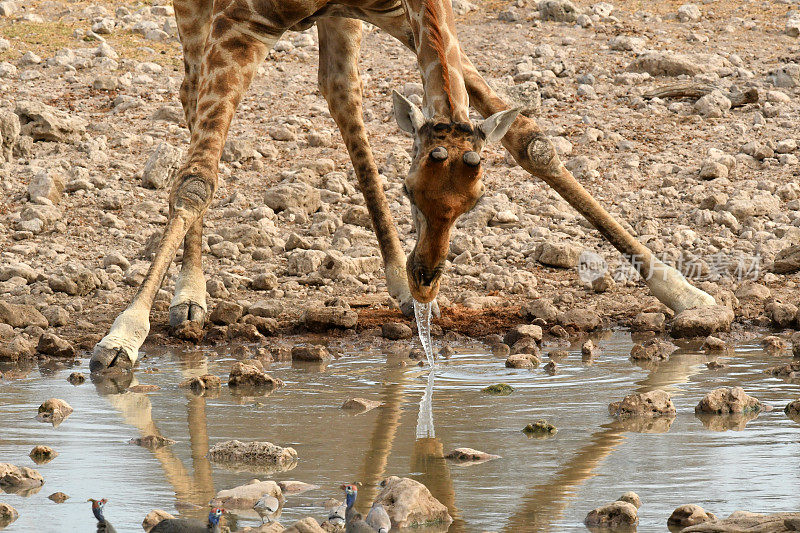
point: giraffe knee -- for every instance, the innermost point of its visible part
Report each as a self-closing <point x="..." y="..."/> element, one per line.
<point x="192" y="192"/>
<point x="542" y="153"/>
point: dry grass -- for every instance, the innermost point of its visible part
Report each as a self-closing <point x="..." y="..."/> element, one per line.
<point x="45" y="38"/>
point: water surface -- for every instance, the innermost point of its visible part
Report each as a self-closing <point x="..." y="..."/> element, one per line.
<point x="537" y="485"/>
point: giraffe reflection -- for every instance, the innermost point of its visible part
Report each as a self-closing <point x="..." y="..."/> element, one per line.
<point x="543" y="505"/>
<point x="196" y="488"/>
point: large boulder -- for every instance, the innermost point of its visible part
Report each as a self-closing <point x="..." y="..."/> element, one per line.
<point x="53" y="345"/>
<point x="615" y="515"/>
<point x="702" y="321"/>
<point x="410" y="503"/>
<point x="787" y="260"/>
<point x="650" y="404"/>
<point x="245" y="496"/>
<point x="298" y="195"/>
<point x="250" y="374"/>
<point x="253" y="456"/>
<point x="16" y="479"/>
<point x="728" y="400"/>
<point x="689" y="515"/>
<point x="21" y="316"/>
<point x="54" y="411"/>
<point x="46" y="123"/>
<point x="654" y="349"/>
<point x="7" y="515"/>
<point x="558" y="10"/>
<point x="161" y="167"/>
<point x="742" y="521"/>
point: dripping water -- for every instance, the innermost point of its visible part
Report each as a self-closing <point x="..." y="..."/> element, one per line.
<point x="425" y="428"/>
<point x="422" y="312"/>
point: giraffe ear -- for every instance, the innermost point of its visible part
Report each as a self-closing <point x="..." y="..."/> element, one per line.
<point x="408" y="116"/>
<point x="495" y="127"/>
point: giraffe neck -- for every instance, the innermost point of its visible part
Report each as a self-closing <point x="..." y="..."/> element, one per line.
<point x="439" y="57"/>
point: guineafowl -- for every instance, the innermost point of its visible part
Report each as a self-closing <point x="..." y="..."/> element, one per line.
<point x="186" y="525"/>
<point x="356" y="524"/>
<point x="103" y="526"/>
<point x="378" y="518"/>
<point x="266" y="507"/>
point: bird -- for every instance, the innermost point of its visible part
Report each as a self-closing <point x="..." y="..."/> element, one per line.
<point x="337" y="516"/>
<point x="377" y="518"/>
<point x="266" y="507"/>
<point x="103" y="526"/>
<point x="357" y="524"/>
<point x="187" y="525"/>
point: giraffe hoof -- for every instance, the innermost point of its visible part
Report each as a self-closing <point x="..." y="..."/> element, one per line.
<point x="180" y="313"/>
<point x="104" y="358"/>
<point x="407" y="308"/>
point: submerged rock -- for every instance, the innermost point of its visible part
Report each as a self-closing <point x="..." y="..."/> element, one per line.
<point x="615" y="515"/>
<point x="648" y="404"/>
<point x="728" y="400"/>
<point x="632" y="498"/>
<point x="58" y="497"/>
<point x="654" y="349"/>
<point x="245" y="496"/>
<point x="702" y="321"/>
<point x="540" y="428"/>
<point x="792" y="410"/>
<point x="788" y="370"/>
<point x="518" y="360"/>
<point x="289" y="486"/>
<point x="200" y="384"/>
<point x="253" y="456"/>
<point x="500" y="389"/>
<point x="19" y="479"/>
<point x="742" y="521"/>
<point x="250" y="374"/>
<point x="360" y="405"/>
<point x="314" y="353"/>
<point x="409" y="503"/>
<point x="54" y="411"/>
<point x="7" y="515"/>
<point x="42" y="454"/>
<point x="152" y="441"/>
<point x="469" y="455"/>
<point x="76" y="378"/>
<point x="689" y="515"/>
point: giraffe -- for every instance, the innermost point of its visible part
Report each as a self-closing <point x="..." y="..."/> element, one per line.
<point x="224" y="42"/>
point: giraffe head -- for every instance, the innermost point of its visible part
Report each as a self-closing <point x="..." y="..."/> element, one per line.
<point x="444" y="182"/>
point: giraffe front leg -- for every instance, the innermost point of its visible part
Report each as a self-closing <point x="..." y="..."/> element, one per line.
<point x="340" y="83"/>
<point x="189" y="300"/>
<point x="224" y="79"/>
<point x="534" y="152"/>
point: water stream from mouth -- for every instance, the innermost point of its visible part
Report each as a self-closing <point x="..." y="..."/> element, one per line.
<point x="422" y="312"/>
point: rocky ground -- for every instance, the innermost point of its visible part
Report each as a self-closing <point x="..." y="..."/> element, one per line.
<point x="704" y="172"/>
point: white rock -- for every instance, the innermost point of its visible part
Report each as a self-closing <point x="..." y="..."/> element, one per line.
<point x="689" y="13"/>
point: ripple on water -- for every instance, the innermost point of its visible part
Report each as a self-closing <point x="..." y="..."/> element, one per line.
<point x="538" y="485"/>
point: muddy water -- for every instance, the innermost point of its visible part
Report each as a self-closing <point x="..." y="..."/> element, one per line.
<point x="538" y="485"/>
